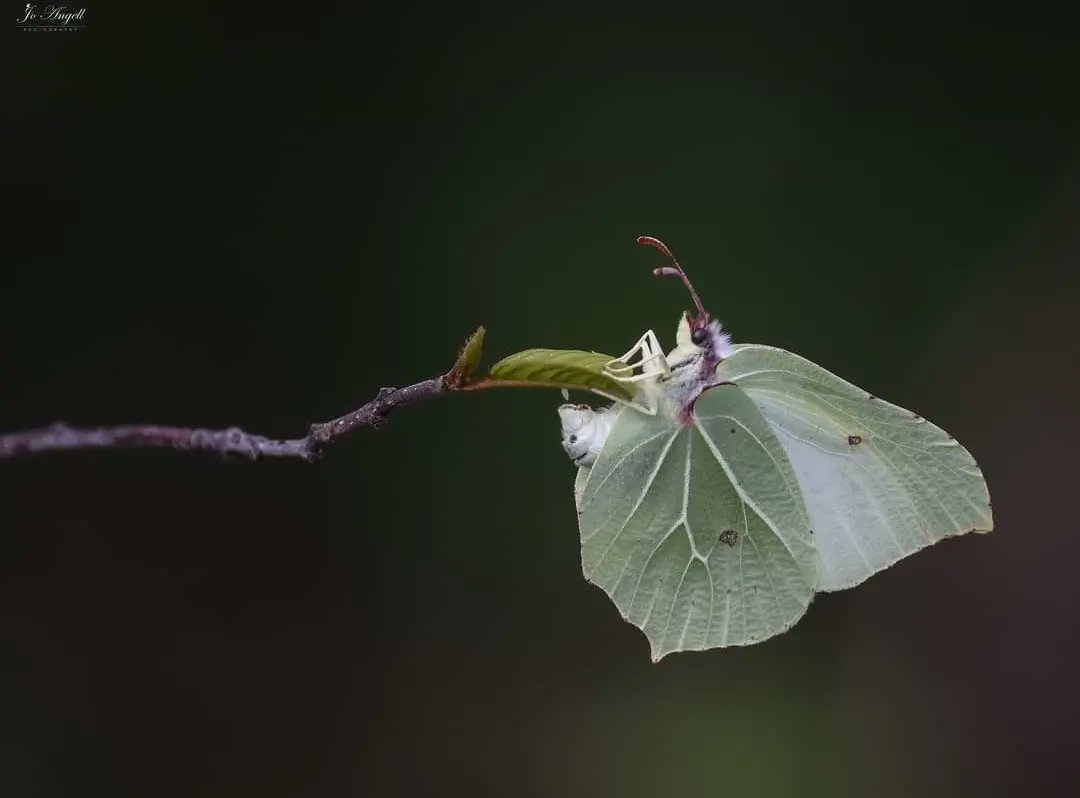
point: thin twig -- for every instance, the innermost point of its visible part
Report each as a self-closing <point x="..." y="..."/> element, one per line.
<point x="233" y="440"/>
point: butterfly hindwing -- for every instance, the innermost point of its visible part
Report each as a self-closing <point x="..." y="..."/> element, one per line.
<point x="698" y="534"/>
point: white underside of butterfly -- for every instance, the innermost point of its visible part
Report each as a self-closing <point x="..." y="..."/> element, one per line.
<point x="743" y="479"/>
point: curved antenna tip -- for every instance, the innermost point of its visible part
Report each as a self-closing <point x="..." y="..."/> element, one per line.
<point x="675" y="270"/>
<point x="650" y="241"/>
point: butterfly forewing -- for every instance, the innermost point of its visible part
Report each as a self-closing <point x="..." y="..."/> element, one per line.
<point x="697" y="532"/>
<point x="879" y="482"/>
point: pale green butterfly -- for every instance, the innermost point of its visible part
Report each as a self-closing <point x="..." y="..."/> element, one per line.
<point x="742" y="479"/>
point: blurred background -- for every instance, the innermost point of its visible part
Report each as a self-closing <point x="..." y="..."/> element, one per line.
<point x="259" y="216"/>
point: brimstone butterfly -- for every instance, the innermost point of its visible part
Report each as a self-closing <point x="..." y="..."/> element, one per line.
<point x="742" y="479"/>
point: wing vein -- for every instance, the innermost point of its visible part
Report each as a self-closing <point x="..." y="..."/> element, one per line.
<point x="641" y="498"/>
<point x="618" y="463"/>
<point x="739" y="488"/>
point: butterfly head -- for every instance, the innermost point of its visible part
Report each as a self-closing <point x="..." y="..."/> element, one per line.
<point x="708" y="341"/>
<point x="700" y="340"/>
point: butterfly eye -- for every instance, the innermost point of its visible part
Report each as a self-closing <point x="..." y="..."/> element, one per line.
<point x="573" y="439"/>
<point x="698" y="336"/>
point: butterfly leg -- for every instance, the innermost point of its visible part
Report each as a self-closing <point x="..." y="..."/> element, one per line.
<point x="652" y="364"/>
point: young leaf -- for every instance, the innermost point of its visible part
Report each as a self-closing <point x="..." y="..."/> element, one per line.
<point x="467" y="360"/>
<point x="557" y="368"/>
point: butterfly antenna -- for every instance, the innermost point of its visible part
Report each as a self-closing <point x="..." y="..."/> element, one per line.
<point x="674" y="270"/>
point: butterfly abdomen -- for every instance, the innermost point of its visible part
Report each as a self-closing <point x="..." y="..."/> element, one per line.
<point x="584" y="431"/>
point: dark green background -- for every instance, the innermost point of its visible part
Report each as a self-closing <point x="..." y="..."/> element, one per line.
<point x="260" y="216"/>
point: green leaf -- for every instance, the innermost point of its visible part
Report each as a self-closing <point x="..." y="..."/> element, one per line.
<point x="467" y="359"/>
<point x="559" y="368"/>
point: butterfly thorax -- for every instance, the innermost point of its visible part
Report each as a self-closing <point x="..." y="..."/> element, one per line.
<point x="692" y="365"/>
